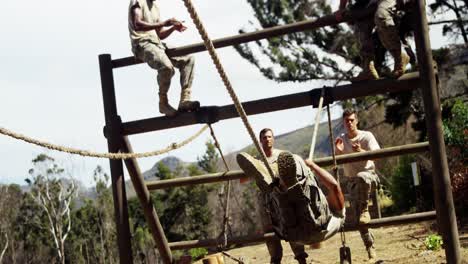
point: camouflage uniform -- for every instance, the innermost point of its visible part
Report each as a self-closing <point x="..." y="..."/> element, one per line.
<point x="385" y="22"/>
<point x="147" y="46"/>
<point x="361" y="175"/>
<point x="300" y="214"/>
<point x="274" y="246"/>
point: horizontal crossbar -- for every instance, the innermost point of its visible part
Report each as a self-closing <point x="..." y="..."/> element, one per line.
<point x="213" y="114"/>
<point x="340" y="159"/>
<point x="375" y="223"/>
<point x="328" y="20"/>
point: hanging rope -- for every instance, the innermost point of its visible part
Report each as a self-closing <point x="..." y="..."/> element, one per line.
<point x="87" y="153"/>
<point x="227" y="202"/>
<point x="214" y="57"/>
<point x="224" y="244"/>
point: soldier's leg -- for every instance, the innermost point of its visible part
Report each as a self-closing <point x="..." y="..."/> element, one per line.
<point x="387" y="29"/>
<point x="157" y="59"/>
<point x="363" y="31"/>
<point x="274" y="246"/>
<point x="364" y="183"/>
<point x="186" y="64"/>
<point x="368" y="239"/>
<point x="299" y="252"/>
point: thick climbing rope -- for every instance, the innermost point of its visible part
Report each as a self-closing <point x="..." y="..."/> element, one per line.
<point x="214" y="57"/>
<point x="87" y="153"/>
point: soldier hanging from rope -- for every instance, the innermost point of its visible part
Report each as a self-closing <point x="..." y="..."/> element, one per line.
<point x="146" y="32"/>
<point x="275" y="249"/>
<point x="385" y="22"/>
<point x="299" y="210"/>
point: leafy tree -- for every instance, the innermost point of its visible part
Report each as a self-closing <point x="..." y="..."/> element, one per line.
<point x="9" y="209"/>
<point x="209" y="161"/>
<point x="31" y="230"/>
<point x="93" y="236"/>
<point x="456" y="137"/>
<point x="402" y="186"/>
<point x="54" y="197"/>
<point x="299" y="56"/>
<point x="455" y="28"/>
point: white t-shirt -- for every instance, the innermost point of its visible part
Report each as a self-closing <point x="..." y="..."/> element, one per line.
<point x="150" y="14"/>
<point x="368" y="142"/>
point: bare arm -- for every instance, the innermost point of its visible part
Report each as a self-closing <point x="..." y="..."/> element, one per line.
<point x="335" y="196"/>
<point x="176" y="25"/>
<point x="141" y="25"/>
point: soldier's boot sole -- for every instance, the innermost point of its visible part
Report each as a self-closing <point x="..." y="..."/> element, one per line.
<point x="253" y="167"/>
<point x="287" y="169"/>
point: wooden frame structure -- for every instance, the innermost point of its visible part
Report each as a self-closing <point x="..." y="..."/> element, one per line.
<point x="116" y="133"/>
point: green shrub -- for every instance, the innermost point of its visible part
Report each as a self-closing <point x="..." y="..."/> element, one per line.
<point x="402" y="186"/>
<point x="433" y="242"/>
<point x="198" y="253"/>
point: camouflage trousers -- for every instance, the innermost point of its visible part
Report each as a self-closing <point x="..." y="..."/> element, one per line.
<point x="155" y="55"/>
<point x="274" y="246"/>
<point x="385" y="22"/>
<point x="359" y="188"/>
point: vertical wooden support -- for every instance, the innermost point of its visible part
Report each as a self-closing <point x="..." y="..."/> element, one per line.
<point x="143" y="194"/>
<point x="441" y="179"/>
<point x="113" y="135"/>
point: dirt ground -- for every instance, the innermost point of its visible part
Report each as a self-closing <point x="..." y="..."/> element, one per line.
<point x="398" y="244"/>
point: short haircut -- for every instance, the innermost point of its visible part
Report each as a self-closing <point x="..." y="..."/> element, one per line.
<point x="263" y="132"/>
<point x="349" y="111"/>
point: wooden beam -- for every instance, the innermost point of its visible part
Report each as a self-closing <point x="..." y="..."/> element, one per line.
<point x="276" y="31"/>
<point x="341" y="159"/>
<point x="386" y="221"/>
<point x="215" y="113"/>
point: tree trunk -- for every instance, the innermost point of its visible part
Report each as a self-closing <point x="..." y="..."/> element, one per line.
<point x="4" y="248"/>
<point x="460" y="22"/>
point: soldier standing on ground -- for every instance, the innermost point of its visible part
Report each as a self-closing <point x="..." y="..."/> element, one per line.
<point x="146" y="32"/>
<point x="360" y="174"/>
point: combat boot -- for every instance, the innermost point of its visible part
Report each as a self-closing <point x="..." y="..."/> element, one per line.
<point x="371" y="253"/>
<point x="401" y="61"/>
<point x="255" y="168"/>
<point x="287" y="169"/>
<point x="164" y="106"/>
<point x="185" y="103"/>
<point x="364" y="216"/>
<point x="302" y="261"/>
<point x="368" y="72"/>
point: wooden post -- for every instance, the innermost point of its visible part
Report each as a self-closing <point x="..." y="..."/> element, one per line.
<point x="113" y="135"/>
<point x="440" y="174"/>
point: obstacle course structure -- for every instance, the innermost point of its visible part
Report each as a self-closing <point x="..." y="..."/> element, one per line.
<point x="117" y="131"/>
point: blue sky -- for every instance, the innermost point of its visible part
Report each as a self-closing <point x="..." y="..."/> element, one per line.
<point x="50" y="83"/>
